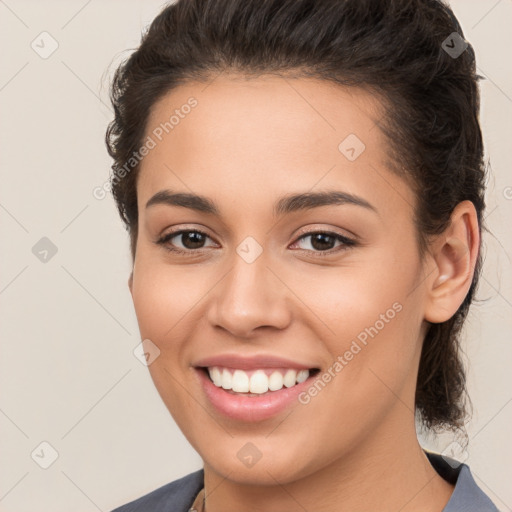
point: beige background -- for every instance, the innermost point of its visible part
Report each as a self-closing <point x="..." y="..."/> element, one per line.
<point x="68" y="375"/>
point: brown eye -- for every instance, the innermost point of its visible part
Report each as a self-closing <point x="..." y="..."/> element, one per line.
<point x="324" y="243"/>
<point x="191" y="239"/>
<point x="184" y="240"/>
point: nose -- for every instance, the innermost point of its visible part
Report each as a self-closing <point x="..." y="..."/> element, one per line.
<point x="250" y="297"/>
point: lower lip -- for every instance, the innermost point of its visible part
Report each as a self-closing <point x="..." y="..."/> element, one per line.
<point x="251" y="408"/>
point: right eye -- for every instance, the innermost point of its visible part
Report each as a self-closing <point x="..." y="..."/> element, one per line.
<point x="191" y="241"/>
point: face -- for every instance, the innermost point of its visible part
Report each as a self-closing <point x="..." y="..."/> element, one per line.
<point x="270" y="289"/>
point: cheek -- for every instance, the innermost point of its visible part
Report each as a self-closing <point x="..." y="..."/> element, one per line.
<point x="369" y="321"/>
<point x="162" y="297"/>
<point x="349" y="299"/>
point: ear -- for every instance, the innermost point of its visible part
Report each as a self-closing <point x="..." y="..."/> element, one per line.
<point x="130" y="283"/>
<point x="454" y="255"/>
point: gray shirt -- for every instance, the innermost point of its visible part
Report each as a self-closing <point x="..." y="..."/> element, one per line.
<point x="179" y="495"/>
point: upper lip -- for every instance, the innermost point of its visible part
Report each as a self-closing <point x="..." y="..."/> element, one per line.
<point x="251" y="362"/>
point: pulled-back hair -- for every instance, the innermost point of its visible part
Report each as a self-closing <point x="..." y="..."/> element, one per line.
<point x="397" y="49"/>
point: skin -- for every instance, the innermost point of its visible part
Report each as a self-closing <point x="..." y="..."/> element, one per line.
<point x="246" y="144"/>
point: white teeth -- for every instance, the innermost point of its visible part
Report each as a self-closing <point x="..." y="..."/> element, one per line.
<point x="302" y="375"/>
<point x="227" y="379"/>
<point x="289" y="378"/>
<point x="275" y="381"/>
<point x="240" y="382"/>
<point x="216" y="376"/>
<point x="259" y="382"/>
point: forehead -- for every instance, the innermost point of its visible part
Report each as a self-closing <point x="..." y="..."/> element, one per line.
<point x="274" y="109"/>
<point x="268" y="134"/>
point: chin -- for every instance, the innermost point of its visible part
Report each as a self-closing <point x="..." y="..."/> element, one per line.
<point x="257" y="460"/>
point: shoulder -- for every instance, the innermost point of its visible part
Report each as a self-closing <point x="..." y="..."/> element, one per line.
<point x="176" y="496"/>
<point x="467" y="495"/>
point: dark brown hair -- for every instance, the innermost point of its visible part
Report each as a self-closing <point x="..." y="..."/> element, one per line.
<point x="405" y="51"/>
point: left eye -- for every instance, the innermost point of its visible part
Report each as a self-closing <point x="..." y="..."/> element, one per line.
<point x="323" y="241"/>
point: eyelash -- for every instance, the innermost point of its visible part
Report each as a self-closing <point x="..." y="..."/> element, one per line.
<point x="347" y="242"/>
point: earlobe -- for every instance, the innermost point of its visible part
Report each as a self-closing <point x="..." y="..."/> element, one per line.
<point x="130" y="282"/>
<point x="454" y="254"/>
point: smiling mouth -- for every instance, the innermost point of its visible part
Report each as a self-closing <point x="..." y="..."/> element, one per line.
<point x="257" y="382"/>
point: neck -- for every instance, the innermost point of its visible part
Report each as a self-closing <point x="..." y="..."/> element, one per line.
<point x="390" y="476"/>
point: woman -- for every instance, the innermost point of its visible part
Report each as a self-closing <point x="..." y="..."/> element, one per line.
<point x="303" y="185"/>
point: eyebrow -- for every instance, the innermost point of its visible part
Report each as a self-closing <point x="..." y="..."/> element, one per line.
<point x="285" y="205"/>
